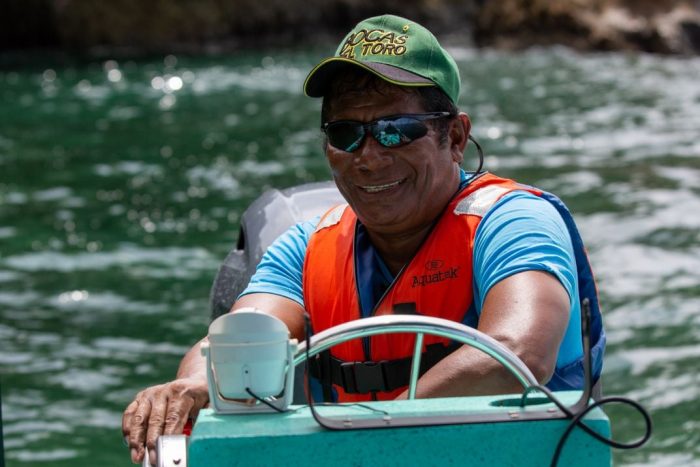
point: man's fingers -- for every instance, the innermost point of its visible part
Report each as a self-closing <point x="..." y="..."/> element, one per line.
<point x="177" y="415"/>
<point x="156" y="422"/>
<point x="126" y="418"/>
<point x="137" y="428"/>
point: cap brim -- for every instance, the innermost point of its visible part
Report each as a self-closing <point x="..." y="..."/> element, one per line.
<point x="320" y="77"/>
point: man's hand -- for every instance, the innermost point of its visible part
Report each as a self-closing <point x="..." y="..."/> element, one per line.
<point x="162" y="409"/>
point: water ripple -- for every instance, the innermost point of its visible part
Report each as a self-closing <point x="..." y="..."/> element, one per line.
<point x="180" y="261"/>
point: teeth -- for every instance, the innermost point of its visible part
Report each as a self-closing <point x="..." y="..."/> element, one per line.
<point x="378" y="188"/>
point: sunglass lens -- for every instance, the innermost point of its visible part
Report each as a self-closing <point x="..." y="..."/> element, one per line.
<point x="390" y="133"/>
<point x="387" y="133"/>
<point x="346" y="136"/>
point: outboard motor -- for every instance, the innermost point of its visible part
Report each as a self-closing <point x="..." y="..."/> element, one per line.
<point x="266" y="218"/>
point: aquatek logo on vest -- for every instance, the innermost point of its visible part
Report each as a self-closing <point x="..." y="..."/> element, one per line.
<point x="434" y="275"/>
<point x="434" y="264"/>
<point x="374" y="42"/>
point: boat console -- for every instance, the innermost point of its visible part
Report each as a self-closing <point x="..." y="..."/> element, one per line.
<point x="250" y="421"/>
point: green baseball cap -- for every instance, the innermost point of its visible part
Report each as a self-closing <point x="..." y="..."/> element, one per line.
<point x="397" y="50"/>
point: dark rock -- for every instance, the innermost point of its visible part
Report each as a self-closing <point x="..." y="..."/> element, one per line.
<point x="167" y="25"/>
<point x="27" y="23"/>
<point x="134" y="27"/>
<point x="691" y="35"/>
<point x="661" y="26"/>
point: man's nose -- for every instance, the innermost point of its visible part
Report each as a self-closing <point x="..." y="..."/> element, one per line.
<point x="372" y="156"/>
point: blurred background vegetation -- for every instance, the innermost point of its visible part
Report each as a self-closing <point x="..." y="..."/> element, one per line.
<point x="138" y="27"/>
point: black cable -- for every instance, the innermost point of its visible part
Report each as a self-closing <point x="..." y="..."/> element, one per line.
<point x="307" y="388"/>
<point x="260" y="399"/>
<point x="576" y="420"/>
<point x="481" y="154"/>
<point x="481" y="160"/>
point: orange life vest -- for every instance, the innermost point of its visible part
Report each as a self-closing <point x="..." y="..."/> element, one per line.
<point x="438" y="280"/>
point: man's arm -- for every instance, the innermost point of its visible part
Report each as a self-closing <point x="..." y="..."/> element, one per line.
<point x="275" y="288"/>
<point x="527" y="312"/>
<point x="165" y="408"/>
<point x="525" y="268"/>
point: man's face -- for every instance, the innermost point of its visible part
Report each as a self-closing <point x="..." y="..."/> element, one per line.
<point x="398" y="190"/>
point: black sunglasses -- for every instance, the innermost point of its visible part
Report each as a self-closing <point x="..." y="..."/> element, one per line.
<point x="390" y="132"/>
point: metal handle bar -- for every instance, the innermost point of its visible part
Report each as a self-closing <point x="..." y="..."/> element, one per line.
<point x="418" y="325"/>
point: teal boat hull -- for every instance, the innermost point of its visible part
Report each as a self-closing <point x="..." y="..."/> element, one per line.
<point x="295" y="438"/>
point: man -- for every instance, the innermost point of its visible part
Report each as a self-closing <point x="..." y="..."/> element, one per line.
<point x="418" y="235"/>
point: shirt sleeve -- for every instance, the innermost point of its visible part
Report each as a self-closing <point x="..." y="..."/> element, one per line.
<point x="280" y="268"/>
<point x="524" y="232"/>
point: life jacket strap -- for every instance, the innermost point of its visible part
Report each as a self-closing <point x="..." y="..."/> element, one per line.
<point x="371" y="376"/>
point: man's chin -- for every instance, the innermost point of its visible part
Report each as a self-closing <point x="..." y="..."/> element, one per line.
<point x="381" y="221"/>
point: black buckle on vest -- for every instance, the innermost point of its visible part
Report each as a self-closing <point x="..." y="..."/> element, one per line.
<point x="366" y="377"/>
<point x="363" y="377"/>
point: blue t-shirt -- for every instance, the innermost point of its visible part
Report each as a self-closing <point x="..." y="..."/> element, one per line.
<point x="521" y="232"/>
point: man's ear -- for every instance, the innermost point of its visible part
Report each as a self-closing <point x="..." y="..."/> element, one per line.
<point x="459" y="136"/>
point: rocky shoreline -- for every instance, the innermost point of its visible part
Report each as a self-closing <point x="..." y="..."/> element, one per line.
<point x="137" y="27"/>
<point x="665" y="27"/>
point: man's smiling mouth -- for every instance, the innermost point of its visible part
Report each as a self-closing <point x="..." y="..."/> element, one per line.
<point x="380" y="188"/>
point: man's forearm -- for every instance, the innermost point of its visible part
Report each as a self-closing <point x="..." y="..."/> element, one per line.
<point x="193" y="364"/>
<point x="528" y="313"/>
<point x="466" y="372"/>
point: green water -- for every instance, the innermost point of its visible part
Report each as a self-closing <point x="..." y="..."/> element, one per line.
<point x="121" y="186"/>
